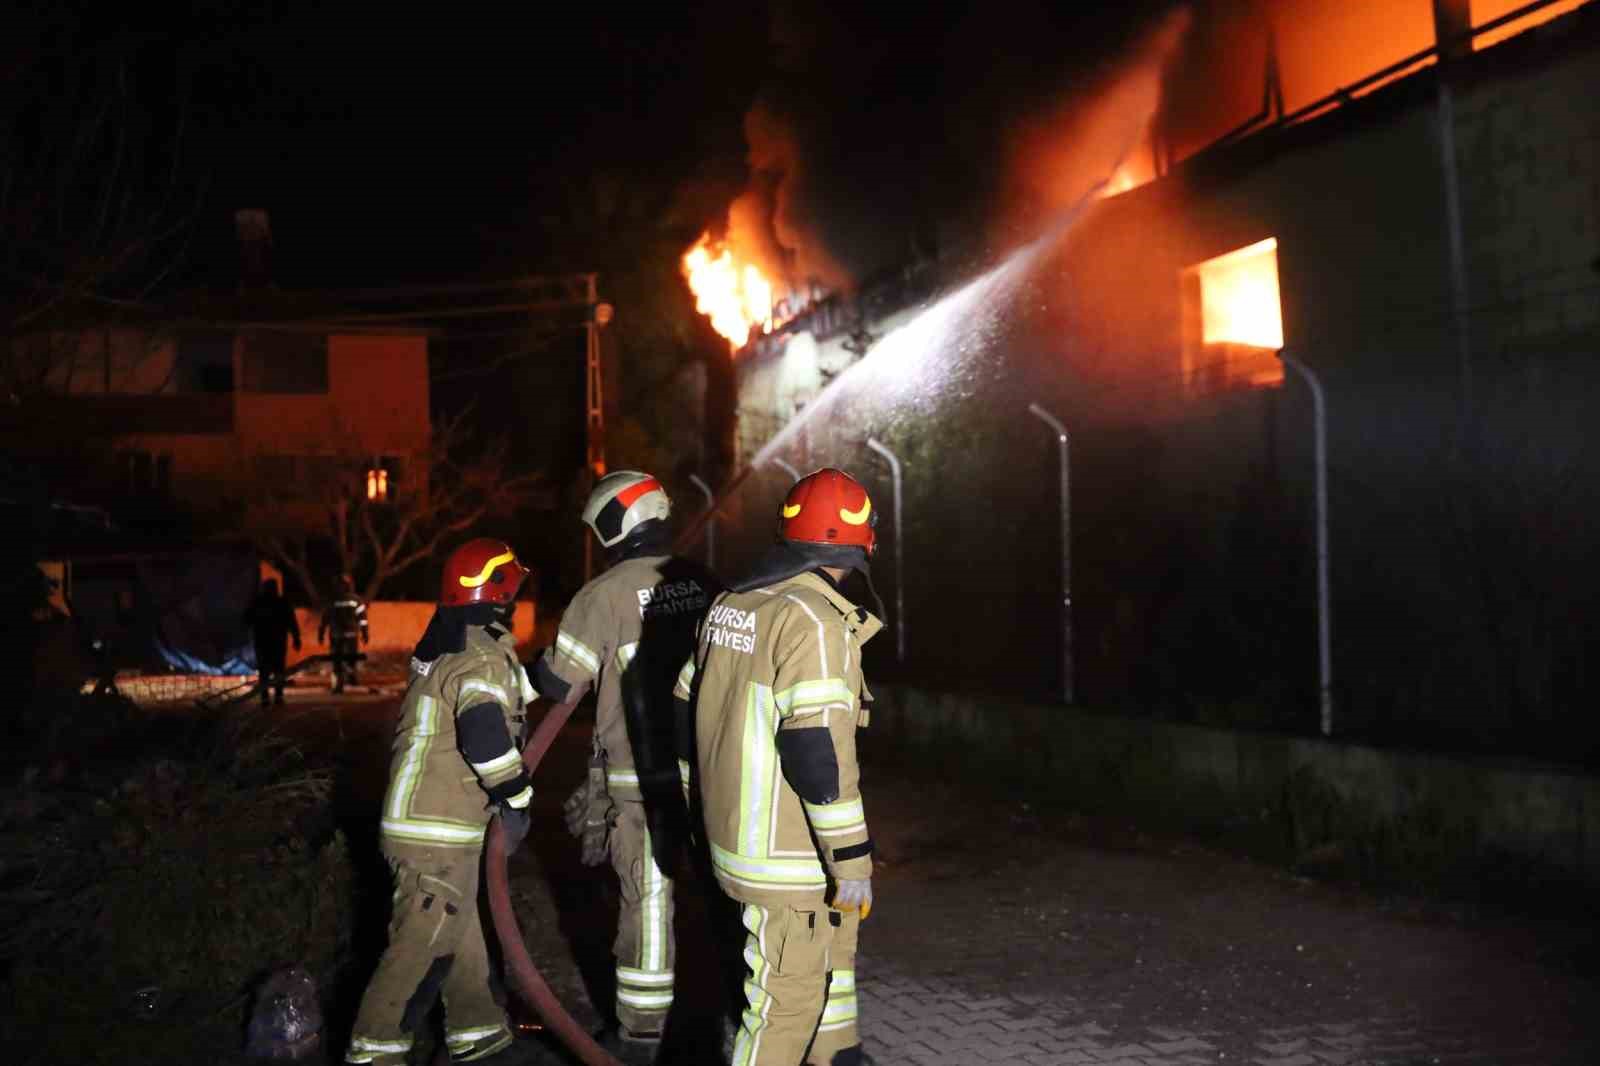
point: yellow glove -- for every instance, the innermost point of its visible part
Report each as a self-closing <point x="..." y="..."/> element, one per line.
<point x="854" y="896"/>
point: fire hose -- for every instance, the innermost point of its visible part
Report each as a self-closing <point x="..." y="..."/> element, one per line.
<point x="525" y="976"/>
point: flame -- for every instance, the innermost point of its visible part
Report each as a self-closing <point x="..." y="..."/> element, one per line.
<point x="736" y="296"/>
<point x="1239" y="297"/>
<point x="1121" y="181"/>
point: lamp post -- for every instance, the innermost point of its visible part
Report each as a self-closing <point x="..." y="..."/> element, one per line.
<point x="1067" y="694"/>
<point x="711" y="521"/>
<point x="1324" y="613"/>
<point x="899" y="549"/>
<point x="786" y="468"/>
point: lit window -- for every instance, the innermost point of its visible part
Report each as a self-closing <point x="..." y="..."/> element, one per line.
<point x="377" y="484"/>
<point x="1233" y="320"/>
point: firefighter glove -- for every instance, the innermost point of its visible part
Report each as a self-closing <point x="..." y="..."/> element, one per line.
<point x="589" y="812"/>
<point x="854" y="895"/>
<point x="514" y="823"/>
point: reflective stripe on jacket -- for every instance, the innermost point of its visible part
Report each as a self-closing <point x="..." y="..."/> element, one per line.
<point x="625" y="634"/>
<point x="776" y="682"/>
<point x="455" y="745"/>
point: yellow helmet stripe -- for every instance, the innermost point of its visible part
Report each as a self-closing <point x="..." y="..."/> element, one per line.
<point x="488" y="568"/>
<point x="856" y="518"/>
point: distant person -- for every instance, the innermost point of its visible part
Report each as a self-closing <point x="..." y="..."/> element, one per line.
<point x="456" y="764"/>
<point x="776" y="693"/>
<point x="272" y="624"/>
<point x="624" y="635"/>
<point x="345" y="618"/>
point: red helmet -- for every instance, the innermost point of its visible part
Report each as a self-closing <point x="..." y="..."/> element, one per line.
<point x="829" y="507"/>
<point x="483" y="570"/>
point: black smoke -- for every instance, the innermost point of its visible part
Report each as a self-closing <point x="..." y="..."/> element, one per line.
<point x="882" y="130"/>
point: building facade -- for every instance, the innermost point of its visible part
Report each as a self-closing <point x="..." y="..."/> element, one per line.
<point x="1426" y="244"/>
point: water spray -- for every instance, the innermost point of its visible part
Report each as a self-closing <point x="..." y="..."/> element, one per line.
<point x="960" y="321"/>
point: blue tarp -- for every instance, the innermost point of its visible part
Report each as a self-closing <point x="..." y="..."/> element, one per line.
<point x="180" y="610"/>
<point x="196" y="606"/>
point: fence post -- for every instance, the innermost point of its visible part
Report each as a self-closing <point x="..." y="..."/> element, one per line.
<point x="899" y="549"/>
<point x="1067" y="686"/>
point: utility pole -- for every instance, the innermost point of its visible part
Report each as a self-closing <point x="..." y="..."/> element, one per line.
<point x="594" y="401"/>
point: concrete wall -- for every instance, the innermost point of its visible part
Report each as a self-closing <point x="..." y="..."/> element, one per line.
<point x="1394" y="806"/>
<point x="1528" y="147"/>
<point x="396" y="625"/>
<point x="376" y="403"/>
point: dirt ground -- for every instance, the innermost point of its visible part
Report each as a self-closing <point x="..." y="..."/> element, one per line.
<point x="1006" y="932"/>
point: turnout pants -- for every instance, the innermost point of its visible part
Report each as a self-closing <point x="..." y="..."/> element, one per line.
<point x="800" y="995"/>
<point x="435" y="949"/>
<point x="344" y="652"/>
<point x="644" y="944"/>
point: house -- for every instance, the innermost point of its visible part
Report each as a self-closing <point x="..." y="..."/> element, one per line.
<point x="173" y="424"/>
<point x="183" y="406"/>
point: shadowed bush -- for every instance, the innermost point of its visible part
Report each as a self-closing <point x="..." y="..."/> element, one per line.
<point x="149" y="888"/>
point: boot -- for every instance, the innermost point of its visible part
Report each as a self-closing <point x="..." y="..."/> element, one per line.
<point x="631" y="1049"/>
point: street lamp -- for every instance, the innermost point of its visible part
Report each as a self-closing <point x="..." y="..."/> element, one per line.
<point x="1066" y="549"/>
<point x="1324" y="613"/>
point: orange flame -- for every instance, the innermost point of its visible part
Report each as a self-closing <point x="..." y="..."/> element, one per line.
<point x="1239" y="297"/>
<point x="1121" y="181"/>
<point x="735" y="295"/>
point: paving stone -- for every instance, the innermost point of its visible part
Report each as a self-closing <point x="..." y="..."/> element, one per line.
<point x="1188" y="1043"/>
<point x="1287" y="1047"/>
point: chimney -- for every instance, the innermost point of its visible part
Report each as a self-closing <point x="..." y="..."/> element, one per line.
<point x="1452" y="24"/>
<point x="255" y="248"/>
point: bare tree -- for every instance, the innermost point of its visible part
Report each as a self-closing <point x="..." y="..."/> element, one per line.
<point x="94" y="211"/>
<point x="376" y="530"/>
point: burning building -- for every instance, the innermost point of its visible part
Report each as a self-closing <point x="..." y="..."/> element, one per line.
<point x="1373" y="187"/>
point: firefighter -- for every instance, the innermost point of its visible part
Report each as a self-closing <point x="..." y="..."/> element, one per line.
<point x="455" y="765"/>
<point x="345" y="618"/>
<point x="624" y="635"/>
<point x="272" y="625"/>
<point x="771" y="699"/>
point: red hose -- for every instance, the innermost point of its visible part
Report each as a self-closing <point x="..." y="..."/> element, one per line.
<point x="525" y="976"/>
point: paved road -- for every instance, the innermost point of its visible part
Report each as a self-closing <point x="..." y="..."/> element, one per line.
<point x="1009" y="935"/>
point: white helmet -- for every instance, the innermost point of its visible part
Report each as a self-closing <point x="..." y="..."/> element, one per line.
<point x="623" y="501"/>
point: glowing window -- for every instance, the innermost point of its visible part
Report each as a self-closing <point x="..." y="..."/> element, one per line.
<point x="1233" y="320"/>
<point x="377" y="484"/>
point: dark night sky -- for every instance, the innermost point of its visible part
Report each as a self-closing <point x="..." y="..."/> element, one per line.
<point x="393" y="143"/>
<point x="417" y="145"/>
